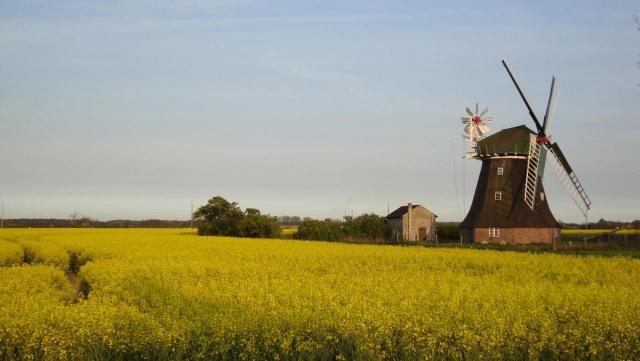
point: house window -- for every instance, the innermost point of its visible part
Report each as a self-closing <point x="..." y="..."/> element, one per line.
<point x="494" y="232"/>
<point x="498" y="196"/>
<point x="500" y="170"/>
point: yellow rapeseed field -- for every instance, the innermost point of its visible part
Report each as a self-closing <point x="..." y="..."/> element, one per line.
<point x="171" y="295"/>
<point x="289" y="232"/>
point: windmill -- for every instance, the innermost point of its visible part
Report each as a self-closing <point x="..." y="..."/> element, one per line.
<point x="476" y="126"/>
<point x="509" y="204"/>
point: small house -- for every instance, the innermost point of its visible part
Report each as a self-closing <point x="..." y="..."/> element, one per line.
<point x="412" y="223"/>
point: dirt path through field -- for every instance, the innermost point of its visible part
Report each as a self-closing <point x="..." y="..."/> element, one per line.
<point x="75" y="283"/>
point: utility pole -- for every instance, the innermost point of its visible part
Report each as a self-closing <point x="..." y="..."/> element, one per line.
<point x="1" y="215"/>
<point x="191" y="224"/>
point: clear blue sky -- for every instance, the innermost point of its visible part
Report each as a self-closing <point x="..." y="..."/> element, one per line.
<point x="134" y="109"/>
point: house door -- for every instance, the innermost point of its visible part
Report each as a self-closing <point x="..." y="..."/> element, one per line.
<point x="422" y="233"/>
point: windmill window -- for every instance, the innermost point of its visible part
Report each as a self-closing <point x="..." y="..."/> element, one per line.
<point x="494" y="232"/>
<point x="500" y="170"/>
<point x="498" y="196"/>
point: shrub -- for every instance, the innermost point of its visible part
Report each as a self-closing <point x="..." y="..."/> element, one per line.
<point x="320" y="231"/>
<point x="448" y="231"/>
<point x="256" y="225"/>
<point x="10" y="254"/>
<point x="365" y="227"/>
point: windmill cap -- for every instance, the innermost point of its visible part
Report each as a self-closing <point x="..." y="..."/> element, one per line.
<point x="510" y="141"/>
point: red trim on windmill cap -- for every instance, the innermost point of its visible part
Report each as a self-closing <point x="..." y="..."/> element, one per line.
<point x="541" y="139"/>
<point x="476" y="119"/>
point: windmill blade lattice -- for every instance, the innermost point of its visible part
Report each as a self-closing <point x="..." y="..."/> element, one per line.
<point x="538" y="154"/>
<point x="476" y="124"/>
<point x="569" y="179"/>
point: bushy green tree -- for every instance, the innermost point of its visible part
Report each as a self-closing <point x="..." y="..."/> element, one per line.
<point x="219" y="217"/>
<point x="365" y="227"/>
<point x="372" y="227"/>
<point x="350" y="227"/>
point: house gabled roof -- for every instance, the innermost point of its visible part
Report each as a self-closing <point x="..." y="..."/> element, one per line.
<point x="401" y="211"/>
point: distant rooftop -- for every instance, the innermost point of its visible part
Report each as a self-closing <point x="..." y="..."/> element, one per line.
<point x="401" y="211"/>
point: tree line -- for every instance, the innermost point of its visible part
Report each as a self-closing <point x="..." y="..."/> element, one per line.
<point x="220" y="217"/>
<point x="86" y="222"/>
<point x="223" y="218"/>
<point x="603" y="224"/>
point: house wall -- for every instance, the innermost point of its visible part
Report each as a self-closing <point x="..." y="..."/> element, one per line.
<point x="420" y="217"/>
<point x="511" y="235"/>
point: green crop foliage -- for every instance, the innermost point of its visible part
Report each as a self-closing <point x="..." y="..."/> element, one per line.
<point x="10" y="254"/>
<point x="172" y="295"/>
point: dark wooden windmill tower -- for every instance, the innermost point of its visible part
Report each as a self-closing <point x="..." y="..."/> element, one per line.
<point x="509" y="205"/>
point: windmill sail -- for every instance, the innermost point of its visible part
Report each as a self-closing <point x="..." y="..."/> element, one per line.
<point x="555" y="149"/>
<point x="522" y="95"/>
<point x="531" y="179"/>
<point x="551" y="106"/>
<point x="537" y="156"/>
<point x="569" y="180"/>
